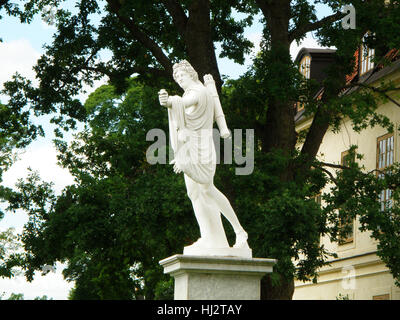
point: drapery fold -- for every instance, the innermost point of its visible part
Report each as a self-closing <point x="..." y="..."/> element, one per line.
<point x="191" y="137"/>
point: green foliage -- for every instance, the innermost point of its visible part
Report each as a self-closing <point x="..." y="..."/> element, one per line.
<point x="44" y="297"/>
<point x="20" y="296"/>
<point x="342" y="297"/>
<point x="228" y="31"/>
<point x="165" y="290"/>
<point x="121" y="212"/>
<point x="359" y="193"/>
<point x="10" y="258"/>
<point x="17" y="129"/>
<point x="90" y="29"/>
<point x="16" y="296"/>
<point x="123" y="215"/>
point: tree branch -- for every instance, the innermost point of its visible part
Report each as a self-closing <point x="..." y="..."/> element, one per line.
<point x="302" y="30"/>
<point x="332" y="165"/>
<point x="264" y="6"/>
<point x="135" y="69"/>
<point x="316" y="133"/>
<point x="178" y="15"/>
<point x="142" y="37"/>
<point x="376" y="170"/>
<point x="374" y="89"/>
<point x="330" y="175"/>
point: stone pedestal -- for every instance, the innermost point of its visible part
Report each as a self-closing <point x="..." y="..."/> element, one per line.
<point x="215" y="277"/>
<point x="220" y="252"/>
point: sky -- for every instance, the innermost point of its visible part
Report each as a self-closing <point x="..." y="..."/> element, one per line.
<point x="21" y="47"/>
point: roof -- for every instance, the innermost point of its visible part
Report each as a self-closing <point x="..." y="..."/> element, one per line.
<point x="379" y="71"/>
<point x="313" y="52"/>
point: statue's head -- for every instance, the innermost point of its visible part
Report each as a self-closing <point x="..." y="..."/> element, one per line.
<point x="185" y="66"/>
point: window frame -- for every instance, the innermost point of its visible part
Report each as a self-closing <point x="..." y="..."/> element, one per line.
<point x="305" y="70"/>
<point x="350" y="237"/>
<point x="305" y="66"/>
<point x="366" y="61"/>
<point x="380" y="170"/>
<point x="384" y="296"/>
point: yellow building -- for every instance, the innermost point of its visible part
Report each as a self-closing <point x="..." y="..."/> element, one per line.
<point x="357" y="272"/>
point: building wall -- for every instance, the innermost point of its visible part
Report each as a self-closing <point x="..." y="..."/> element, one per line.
<point x="357" y="272"/>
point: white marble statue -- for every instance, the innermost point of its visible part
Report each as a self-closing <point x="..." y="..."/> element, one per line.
<point x="191" y="119"/>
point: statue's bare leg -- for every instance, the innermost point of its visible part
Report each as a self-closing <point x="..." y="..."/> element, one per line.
<point x="207" y="215"/>
<point x="228" y="212"/>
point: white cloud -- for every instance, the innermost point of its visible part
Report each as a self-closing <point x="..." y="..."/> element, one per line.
<point x="87" y="90"/>
<point x="256" y="38"/>
<point x="20" y="56"/>
<point x="41" y="156"/>
<point x="17" y="56"/>
<point x="52" y="285"/>
<point x="308" y="42"/>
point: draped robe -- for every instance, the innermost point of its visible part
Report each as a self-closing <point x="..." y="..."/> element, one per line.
<point x="191" y="135"/>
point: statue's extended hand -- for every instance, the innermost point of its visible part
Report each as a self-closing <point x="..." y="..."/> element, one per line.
<point x="177" y="168"/>
<point x="163" y="97"/>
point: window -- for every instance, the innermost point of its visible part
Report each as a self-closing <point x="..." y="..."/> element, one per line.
<point x="299" y="106"/>
<point x="367" y="55"/>
<point x="346" y="225"/>
<point x="305" y="66"/>
<point x="384" y="159"/>
<point x="347" y="158"/>
<point x="318" y="199"/>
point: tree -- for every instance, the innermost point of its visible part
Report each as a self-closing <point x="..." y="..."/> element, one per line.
<point x="16" y="296"/>
<point x="20" y="296"/>
<point x="9" y="256"/>
<point x="147" y="37"/>
<point x="122" y="216"/>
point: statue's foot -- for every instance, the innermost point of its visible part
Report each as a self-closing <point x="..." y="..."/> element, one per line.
<point x="241" y="240"/>
<point x="198" y="244"/>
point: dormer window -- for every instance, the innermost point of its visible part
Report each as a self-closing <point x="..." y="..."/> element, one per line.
<point x="305" y="66"/>
<point x="367" y="56"/>
<point x="320" y="59"/>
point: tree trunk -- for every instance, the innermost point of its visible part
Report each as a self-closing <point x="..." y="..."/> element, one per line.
<point x="279" y="131"/>
<point x="199" y="43"/>
<point x="283" y="291"/>
<point x="280" y="127"/>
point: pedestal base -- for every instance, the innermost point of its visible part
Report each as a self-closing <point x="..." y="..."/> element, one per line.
<point x="221" y="252"/>
<point x="216" y="278"/>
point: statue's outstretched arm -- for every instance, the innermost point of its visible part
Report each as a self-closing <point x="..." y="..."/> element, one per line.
<point x="188" y="100"/>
